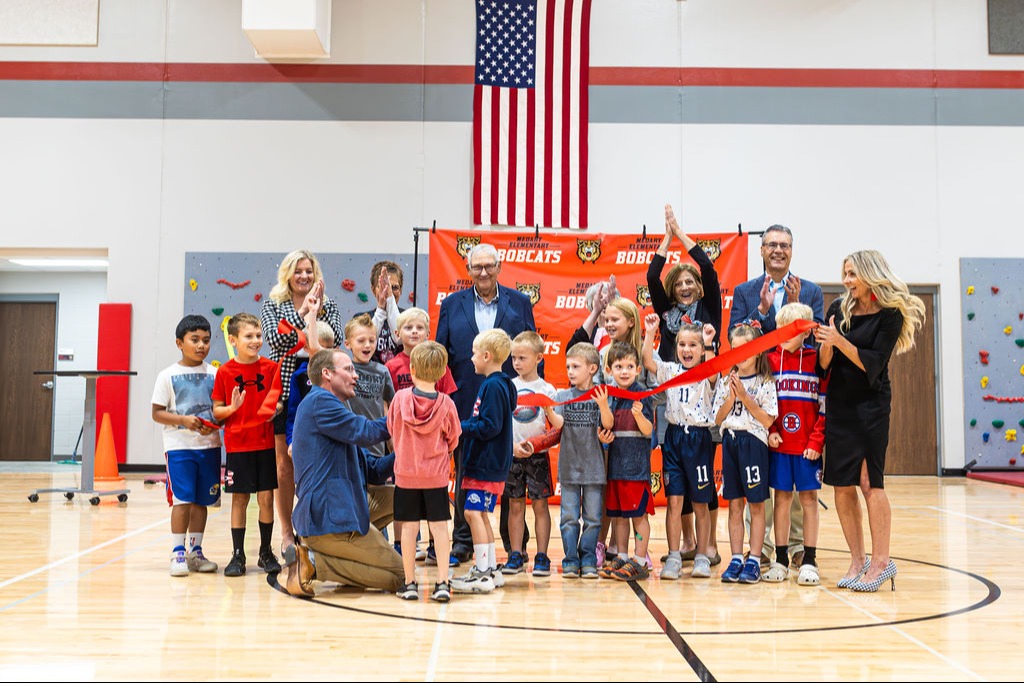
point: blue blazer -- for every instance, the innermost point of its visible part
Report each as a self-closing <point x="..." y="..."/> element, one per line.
<point x="456" y="329"/>
<point x="746" y="297"/>
<point x="331" y="467"/>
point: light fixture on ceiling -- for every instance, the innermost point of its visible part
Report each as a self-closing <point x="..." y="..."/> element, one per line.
<point x="60" y="262"/>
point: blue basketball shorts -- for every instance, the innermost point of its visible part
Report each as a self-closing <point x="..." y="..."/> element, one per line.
<point x="745" y="467"/>
<point x="795" y="471"/>
<point x="193" y="476"/>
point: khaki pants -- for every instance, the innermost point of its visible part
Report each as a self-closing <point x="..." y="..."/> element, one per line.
<point x="382" y="505"/>
<point x="796" y="526"/>
<point x="367" y="561"/>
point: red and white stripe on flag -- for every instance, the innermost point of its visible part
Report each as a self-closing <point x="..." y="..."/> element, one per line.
<point x="530" y="112"/>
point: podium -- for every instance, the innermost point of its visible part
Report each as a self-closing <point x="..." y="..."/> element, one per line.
<point x="88" y="437"/>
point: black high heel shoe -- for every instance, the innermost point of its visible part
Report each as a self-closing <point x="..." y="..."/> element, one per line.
<point x="846" y="583"/>
<point x="888" y="574"/>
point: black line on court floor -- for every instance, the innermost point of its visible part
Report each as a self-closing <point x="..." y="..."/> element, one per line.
<point x="673" y="635"/>
<point x="994" y="592"/>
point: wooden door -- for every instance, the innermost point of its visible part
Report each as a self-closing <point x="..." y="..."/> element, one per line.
<point x="913" y="423"/>
<point x="26" y="403"/>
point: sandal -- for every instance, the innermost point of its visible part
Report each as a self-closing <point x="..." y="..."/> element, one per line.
<point x="808" y="575"/>
<point x="777" y="573"/>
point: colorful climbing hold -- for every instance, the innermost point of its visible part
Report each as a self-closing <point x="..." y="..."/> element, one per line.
<point x="998" y="424"/>
<point x="1011" y="434"/>
<point x="984" y="382"/>
<point x="257" y="297"/>
<point x="970" y="316"/>
<point x="412" y="297"/>
<point x="983" y="357"/>
<point x="984" y="437"/>
<point x="193" y="284"/>
<point x="362" y="297"/>
<point x="995" y="290"/>
<point x="215" y="363"/>
<point x="1008" y="329"/>
<point x="217" y="311"/>
<point x="1019" y="342"/>
<point x="974" y="422"/>
<point x="348" y="285"/>
<point x="970" y="290"/>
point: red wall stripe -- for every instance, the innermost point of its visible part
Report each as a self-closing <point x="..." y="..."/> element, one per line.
<point x="463" y="74"/>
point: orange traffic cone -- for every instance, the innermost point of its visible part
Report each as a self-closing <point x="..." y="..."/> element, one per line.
<point x="106" y="455"/>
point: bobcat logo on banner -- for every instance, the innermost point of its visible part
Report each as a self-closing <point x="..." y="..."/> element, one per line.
<point x="530" y="289"/>
<point x="588" y="251"/>
<point x="463" y="244"/>
<point x="713" y="248"/>
<point x="643" y="296"/>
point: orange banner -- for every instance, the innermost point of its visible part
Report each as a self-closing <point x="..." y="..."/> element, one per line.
<point x="555" y="271"/>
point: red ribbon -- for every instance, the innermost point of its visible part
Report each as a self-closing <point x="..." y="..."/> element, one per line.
<point x="285" y="327"/>
<point x="706" y="369"/>
<point x="209" y="425"/>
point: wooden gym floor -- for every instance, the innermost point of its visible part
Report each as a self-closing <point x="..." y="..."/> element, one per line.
<point x="85" y="595"/>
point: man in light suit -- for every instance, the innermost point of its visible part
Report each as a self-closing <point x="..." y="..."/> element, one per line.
<point x="464" y="314"/>
<point x="760" y="299"/>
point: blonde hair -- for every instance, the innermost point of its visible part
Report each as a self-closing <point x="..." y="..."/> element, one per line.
<point x="361" y="320"/>
<point x="891" y="292"/>
<point x="282" y="291"/>
<point x="236" y="321"/>
<point x="325" y="335"/>
<point x="751" y="333"/>
<point x="410" y="314"/>
<point x="586" y="351"/>
<point x="792" y="312"/>
<point x="629" y="309"/>
<point x="496" y="342"/>
<point x="531" y="339"/>
<point x="429" y="360"/>
<point x="676" y="272"/>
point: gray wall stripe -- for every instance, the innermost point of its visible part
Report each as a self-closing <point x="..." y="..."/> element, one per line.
<point x="453" y="103"/>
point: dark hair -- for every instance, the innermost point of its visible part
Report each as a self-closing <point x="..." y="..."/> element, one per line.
<point x="191" y="323"/>
<point x="620" y="350"/>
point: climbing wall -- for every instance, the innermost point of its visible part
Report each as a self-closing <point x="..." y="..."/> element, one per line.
<point x="992" y="329"/>
<point x="220" y="284"/>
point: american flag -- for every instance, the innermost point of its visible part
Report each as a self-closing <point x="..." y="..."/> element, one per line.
<point x="530" y="109"/>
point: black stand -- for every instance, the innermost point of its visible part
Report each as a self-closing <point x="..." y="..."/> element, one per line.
<point x="88" y="437"/>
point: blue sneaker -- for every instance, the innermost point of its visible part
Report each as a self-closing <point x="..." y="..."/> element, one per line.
<point x="432" y="558"/>
<point x="732" y="572"/>
<point x="541" y="565"/>
<point x="751" y="571"/>
<point x="514" y="565"/>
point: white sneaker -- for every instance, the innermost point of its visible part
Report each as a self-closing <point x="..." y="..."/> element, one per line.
<point x="475" y="581"/>
<point x="179" y="565"/>
<point x="701" y="567"/>
<point x="497" y="577"/>
<point x="673" y="568"/>
<point x="197" y="562"/>
<point x="808" y="575"/>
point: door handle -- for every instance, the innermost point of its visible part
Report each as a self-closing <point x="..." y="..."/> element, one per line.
<point x="47" y="385"/>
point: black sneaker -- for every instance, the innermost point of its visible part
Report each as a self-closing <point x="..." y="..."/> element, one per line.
<point x="236" y="567"/>
<point x="409" y="591"/>
<point x="442" y="592"/>
<point x="268" y="561"/>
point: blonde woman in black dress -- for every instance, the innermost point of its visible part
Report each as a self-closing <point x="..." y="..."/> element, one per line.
<point x="876" y="317"/>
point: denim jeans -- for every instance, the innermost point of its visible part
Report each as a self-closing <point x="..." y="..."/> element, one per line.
<point x="584" y="501"/>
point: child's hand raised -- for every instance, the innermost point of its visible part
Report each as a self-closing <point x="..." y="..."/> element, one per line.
<point x="651" y="322"/>
<point x="237" y="398"/>
<point x="708" y="333"/>
<point x="601" y="394"/>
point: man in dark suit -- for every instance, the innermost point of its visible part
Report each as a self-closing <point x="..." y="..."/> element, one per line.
<point x="760" y="299"/>
<point x="464" y="314"/>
